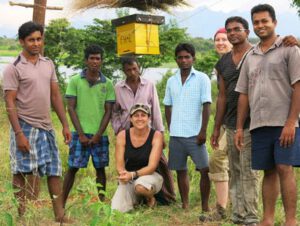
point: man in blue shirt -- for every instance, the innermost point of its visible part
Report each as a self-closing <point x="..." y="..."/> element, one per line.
<point x="187" y="104"/>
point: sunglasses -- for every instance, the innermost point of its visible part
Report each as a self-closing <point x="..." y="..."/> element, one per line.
<point x="139" y="106"/>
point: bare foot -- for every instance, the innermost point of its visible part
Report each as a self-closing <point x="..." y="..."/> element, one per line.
<point x="291" y="223"/>
<point x="205" y="209"/>
<point x="21" y="210"/>
<point x="185" y="205"/>
<point x="266" y="223"/>
<point x="64" y="220"/>
<point x="151" y="202"/>
<point x="21" y="221"/>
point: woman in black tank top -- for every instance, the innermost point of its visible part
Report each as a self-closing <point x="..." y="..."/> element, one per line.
<point x="138" y="151"/>
<point x="137" y="157"/>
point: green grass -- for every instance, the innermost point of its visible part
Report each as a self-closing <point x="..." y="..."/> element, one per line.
<point x="83" y="205"/>
<point x="12" y="53"/>
<point x="169" y="65"/>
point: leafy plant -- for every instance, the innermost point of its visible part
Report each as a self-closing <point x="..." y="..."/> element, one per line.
<point x="8" y="205"/>
<point x="205" y="62"/>
<point x="85" y="202"/>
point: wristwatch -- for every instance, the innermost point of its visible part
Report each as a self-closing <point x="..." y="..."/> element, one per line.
<point x="136" y="176"/>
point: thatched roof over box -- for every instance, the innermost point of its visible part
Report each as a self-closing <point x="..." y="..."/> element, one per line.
<point x="143" y="5"/>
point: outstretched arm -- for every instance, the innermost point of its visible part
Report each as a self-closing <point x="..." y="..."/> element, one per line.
<point x="289" y="41"/>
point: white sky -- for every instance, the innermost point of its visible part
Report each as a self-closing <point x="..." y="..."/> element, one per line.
<point x="12" y="17"/>
<point x="280" y="6"/>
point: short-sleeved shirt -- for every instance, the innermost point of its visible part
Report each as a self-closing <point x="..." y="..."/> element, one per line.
<point x="230" y="72"/>
<point x="90" y="100"/>
<point x="33" y="85"/>
<point x="186" y="101"/>
<point x="125" y="99"/>
<point x="267" y="78"/>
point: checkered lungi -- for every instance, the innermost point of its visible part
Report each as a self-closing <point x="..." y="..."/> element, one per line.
<point x="79" y="155"/>
<point x="43" y="157"/>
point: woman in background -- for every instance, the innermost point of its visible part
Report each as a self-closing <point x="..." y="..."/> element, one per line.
<point x="218" y="161"/>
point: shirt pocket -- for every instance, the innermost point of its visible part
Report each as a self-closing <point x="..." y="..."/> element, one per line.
<point x="276" y="70"/>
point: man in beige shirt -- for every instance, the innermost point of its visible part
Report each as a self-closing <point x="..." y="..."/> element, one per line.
<point x="269" y="84"/>
<point x="31" y="88"/>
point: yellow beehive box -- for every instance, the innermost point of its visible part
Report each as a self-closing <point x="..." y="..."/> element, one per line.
<point x="138" y="34"/>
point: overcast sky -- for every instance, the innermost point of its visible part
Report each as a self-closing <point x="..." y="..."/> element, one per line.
<point x="12" y="17"/>
<point x="243" y="5"/>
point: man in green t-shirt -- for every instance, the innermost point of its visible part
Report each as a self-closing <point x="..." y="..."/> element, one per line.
<point x="90" y="96"/>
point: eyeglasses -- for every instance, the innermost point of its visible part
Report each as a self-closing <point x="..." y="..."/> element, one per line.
<point x="236" y="30"/>
<point x="187" y="57"/>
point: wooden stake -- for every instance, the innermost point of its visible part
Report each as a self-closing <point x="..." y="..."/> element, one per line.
<point x="39" y="11"/>
<point x="32" y="5"/>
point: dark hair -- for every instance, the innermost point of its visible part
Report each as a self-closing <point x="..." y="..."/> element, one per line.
<point x="185" y="47"/>
<point x="130" y="60"/>
<point x="28" y="28"/>
<point x="264" y="8"/>
<point x="237" y="19"/>
<point x="93" y="49"/>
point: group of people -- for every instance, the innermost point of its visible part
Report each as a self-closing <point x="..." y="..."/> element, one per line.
<point x="258" y="113"/>
<point x="256" y="124"/>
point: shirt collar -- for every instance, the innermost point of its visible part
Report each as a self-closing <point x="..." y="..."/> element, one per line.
<point x="25" y="61"/>
<point x="143" y="82"/>
<point x="276" y="44"/>
<point x="101" y="78"/>
<point x="192" y="73"/>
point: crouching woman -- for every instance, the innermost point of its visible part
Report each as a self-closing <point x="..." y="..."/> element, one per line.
<point x="138" y="151"/>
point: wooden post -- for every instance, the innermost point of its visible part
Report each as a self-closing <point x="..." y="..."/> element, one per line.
<point x="39" y="11"/>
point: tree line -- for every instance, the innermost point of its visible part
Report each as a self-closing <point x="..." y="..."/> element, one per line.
<point x="65" y="44"/>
